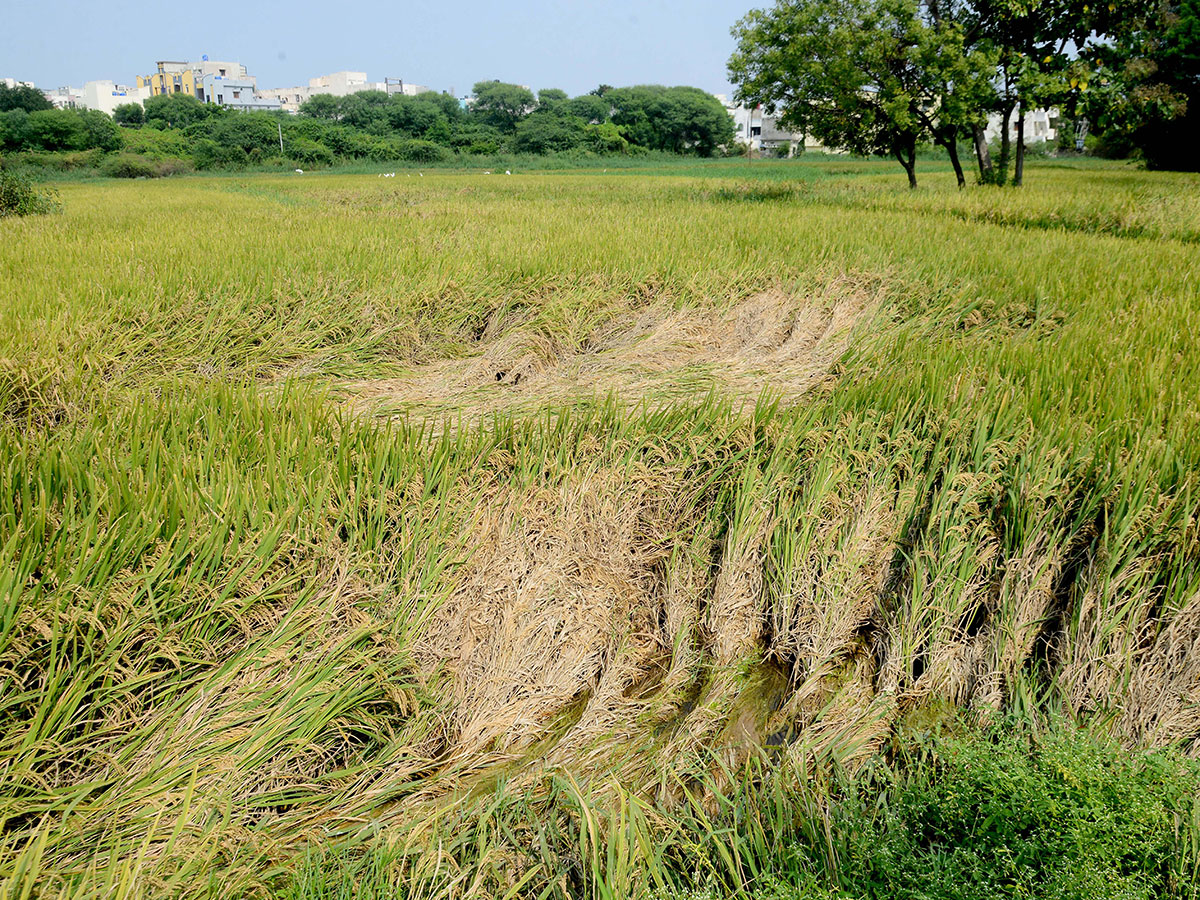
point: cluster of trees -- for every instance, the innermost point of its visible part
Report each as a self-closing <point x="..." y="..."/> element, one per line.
<point x="511" y="117"/>
<point x="884" y="76"/>
<point x="429" y="127"/>
<point x="29" y="120"/>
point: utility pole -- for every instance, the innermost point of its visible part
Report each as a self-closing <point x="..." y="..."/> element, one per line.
<point x="279" y="125"/>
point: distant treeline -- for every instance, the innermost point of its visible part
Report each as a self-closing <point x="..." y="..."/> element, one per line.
<point x="178" y="131"/>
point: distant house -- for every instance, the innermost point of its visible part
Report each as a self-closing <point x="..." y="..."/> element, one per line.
<point x="763" y="133"/>
<point x="338" y="84"/>
<point x="65" y="97"/>
<point x="1040" y="125"/>
<point x="170" y="77"/>
<point x="223" y="82"/>
<point x="106" y="95"/>
<point x="235" y="93"/>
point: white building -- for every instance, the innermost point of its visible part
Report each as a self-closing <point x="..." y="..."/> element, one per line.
<point x="1040" y="125"/>
<point x="290" y="99"/>
<point x="763" y="134"/>
<point x="338" y="84"/>
<point x="221" y="69"/>
<point x="107" y="96"/>
<point x="65" y="97"/>
<point x="13" y="83"/>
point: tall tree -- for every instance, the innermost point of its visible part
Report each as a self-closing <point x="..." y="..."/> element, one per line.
<point x="675" y="119"/>
<point x="502" y="105"/>
<point x="869" y="76"/>
<point x="1145" y="84"/>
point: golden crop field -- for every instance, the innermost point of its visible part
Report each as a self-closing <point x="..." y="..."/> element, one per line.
<point x="605" y="534"/>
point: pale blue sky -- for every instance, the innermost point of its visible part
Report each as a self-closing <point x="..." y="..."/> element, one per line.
<point x="541" y="43"/>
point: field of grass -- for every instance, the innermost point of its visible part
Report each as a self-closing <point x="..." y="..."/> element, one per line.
<point x="679" y="534"/>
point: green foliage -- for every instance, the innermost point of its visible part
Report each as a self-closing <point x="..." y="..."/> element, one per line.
<point x="1145" y="85"/>
<point x="245" y="131"/>
<point x="20" y="197"/>
<point x="14" y="127"/>
<point x="549" y="99"/>
<point x="545" y="132"/>
<point x="321" y="106"/>
<point x="606" y="137"/>
<point x="502" y="105"/>
<point x="208" y="154"/>
<point x="155" y="144"/>
<point x="1011" y="812"/>
<point x="675" y="119"/>
<point x="102" y="131"/>
<point x="56" y="129"/>
<point x="371" y="125"/>
<point x="422" y="151"/>
<point x="23" y="97"/>
<point x="590" y="108"/>
<point x="131" y="114"/>
<point x="133" y="165"/>
<point x="868" y="76"/>
<point x="178" y="111"/>
<point x="127" y="165"/>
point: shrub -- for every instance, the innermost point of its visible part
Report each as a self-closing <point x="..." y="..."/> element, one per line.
<point x="154" y="144"/>
<point x="127" y="165"/>
<point x="38" y="162"/>
<point x="309" y="152"/>
<point x="208" y="154"/>
<point x="423" y="151"/>
<point x="19" y="197"/>
<point x="1009" y="812"/>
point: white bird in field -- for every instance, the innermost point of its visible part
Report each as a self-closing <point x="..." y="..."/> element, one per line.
<point x="487" y="173"/>
<point x="507" y="172"/>
<point x="299" y="171"/>
<point x="422" y="174"/>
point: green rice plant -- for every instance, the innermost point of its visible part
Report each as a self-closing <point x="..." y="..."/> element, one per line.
<point x="303" y="593"/>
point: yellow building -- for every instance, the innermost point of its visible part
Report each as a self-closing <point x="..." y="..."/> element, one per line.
<point x="171" y="78"/>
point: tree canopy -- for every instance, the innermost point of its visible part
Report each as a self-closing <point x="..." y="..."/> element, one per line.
<point x="1145" y="84"/>
<point x="502" y="105"/>
<point x="24" y="97"/>
<point x="883" y="76"/>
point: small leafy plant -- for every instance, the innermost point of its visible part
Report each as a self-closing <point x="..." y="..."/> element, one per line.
<point x="20" y="197"/>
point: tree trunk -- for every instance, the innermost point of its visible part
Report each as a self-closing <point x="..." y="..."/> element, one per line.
<point x="951" y="145"/>
<point x="987" y="173"/>
<point x="1019" y="172"/>
<point x="906" y="153"/>
<point x="1005" y="142"/>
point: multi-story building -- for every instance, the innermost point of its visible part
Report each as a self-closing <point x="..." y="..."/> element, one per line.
<point x="65" y="97"/>
<point x="338" y="84"/>
<point x="175" y="77"/>
<point x="223" y="82"/>
<point x="106" y="95"/>
<point x="171" y="77"/>
<point x="236" y="93"/>
<point x="289" y="99"/>
<point x="207" y="66"/>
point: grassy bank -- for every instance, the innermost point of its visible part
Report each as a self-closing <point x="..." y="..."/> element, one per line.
<point x="560" y="535"/>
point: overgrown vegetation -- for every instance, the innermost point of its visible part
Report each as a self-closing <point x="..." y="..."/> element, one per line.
<point x="20" y="197"/>
<point x="449" y="541"/>
<point x="178" y="132"/>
